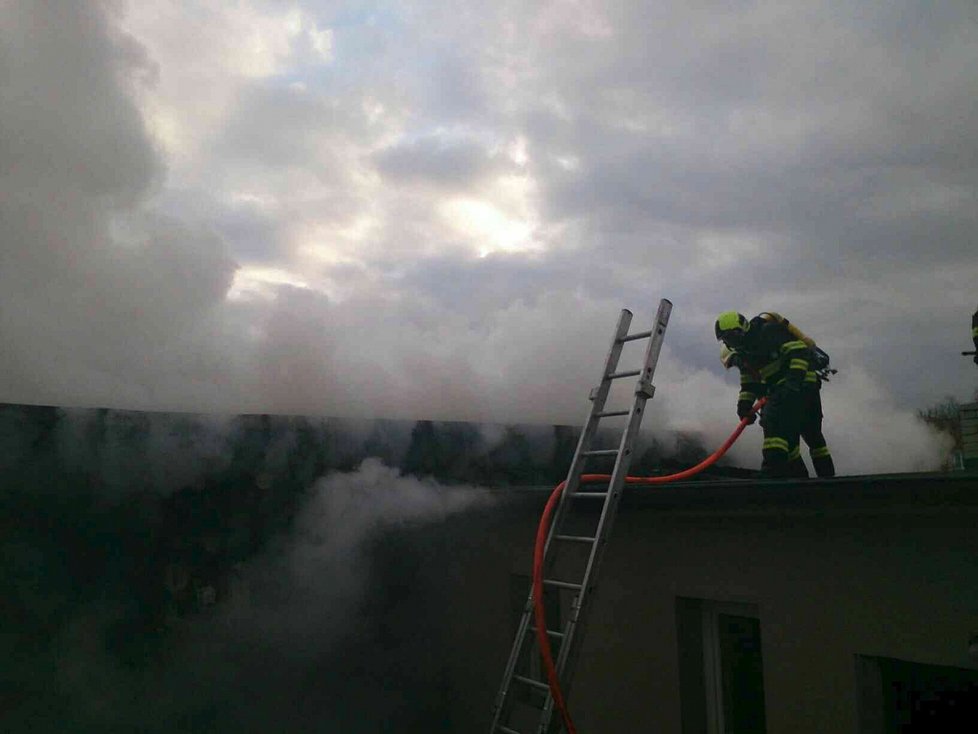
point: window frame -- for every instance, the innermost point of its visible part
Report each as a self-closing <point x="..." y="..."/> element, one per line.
<point x="701" y="662"/>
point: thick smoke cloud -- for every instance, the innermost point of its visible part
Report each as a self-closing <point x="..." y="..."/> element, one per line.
<point x="358" y="214"/>
<point x="303" y="629"/>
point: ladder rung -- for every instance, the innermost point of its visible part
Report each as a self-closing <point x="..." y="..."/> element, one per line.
<point x="633" y="337"/>
<point x="600" y="452"/>
<point x="611" y="413"/>
<point x="552" y="633"/>
<point x="626" y="373"/>
<point x="590" y="495"/>
<point x="563" y="584"/>
<point x="532" y="682"/>
<point x="575" y="538"/>
<point x="507" y="730"/>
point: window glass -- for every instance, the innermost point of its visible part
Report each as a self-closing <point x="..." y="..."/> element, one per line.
<point x="741" y="674"/>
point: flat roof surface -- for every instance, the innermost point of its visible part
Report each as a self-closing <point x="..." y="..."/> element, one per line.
<point x="913" y="493"/>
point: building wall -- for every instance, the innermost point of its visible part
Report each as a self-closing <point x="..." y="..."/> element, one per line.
<point x="897" y="580"/>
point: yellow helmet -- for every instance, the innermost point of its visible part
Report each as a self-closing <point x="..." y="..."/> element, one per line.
<point x="730" y="327"/>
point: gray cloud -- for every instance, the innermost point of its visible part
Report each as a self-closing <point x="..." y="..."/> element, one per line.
<point x="275" y="127"/>
<point x="67" y="123"/>
<point x="455" y="164"/>
<point x="251" y="232"/>
<point x="791" y="120"/>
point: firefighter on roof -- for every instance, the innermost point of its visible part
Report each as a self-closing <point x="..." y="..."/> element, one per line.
<point x="777" y="360"/>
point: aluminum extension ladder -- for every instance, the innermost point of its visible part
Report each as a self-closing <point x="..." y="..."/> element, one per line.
<point x="524" y="703"/>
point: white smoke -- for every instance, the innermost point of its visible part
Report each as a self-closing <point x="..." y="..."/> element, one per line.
<point x="290" y="609"/>
<point x="866" y="430"/>
<point x="306" y="588"/>
<point x="869" y="433"/>
<point x="345" y="509"/>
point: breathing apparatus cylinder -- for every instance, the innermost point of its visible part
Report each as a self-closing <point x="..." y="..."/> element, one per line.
<point x="820" y="358"/>
<point x="795" y="331"/>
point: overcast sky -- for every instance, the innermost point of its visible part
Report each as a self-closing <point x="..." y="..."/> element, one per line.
<point x="437" y="209"/>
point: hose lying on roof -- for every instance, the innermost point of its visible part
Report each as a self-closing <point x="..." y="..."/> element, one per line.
<point x="541" y="540"/>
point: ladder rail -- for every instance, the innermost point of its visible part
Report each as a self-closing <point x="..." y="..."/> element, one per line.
<point x="598" y="397"/>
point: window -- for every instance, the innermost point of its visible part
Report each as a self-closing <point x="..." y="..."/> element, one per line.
<point x="720" y="667"/>
<point x="901" y="697"/>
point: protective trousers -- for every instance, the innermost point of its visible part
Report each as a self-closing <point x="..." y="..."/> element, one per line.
<point x="811" y="432"/>
<point x="782" y="421"/>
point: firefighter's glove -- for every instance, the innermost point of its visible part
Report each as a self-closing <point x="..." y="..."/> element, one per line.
<point x="744" y="411"/>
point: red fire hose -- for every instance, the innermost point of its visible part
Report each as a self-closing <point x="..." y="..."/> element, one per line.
<point x="541" y="540"/>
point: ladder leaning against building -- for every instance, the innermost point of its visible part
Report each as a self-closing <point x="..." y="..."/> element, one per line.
<point x="524" y="703"/>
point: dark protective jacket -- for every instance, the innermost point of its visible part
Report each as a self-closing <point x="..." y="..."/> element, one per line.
<point x="771" y="356"/>
<point x="974" y="328"/>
